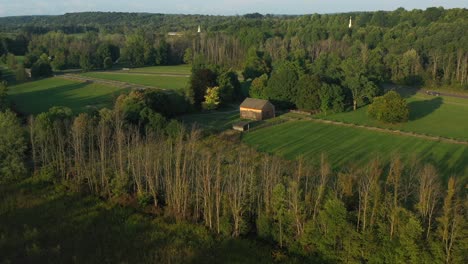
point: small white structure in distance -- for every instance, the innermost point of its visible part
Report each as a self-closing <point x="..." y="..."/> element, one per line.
<point x="199" y="29"/>
<point x="350" y="22"/>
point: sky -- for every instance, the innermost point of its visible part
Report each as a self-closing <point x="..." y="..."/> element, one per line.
<point x="215" y="7"/>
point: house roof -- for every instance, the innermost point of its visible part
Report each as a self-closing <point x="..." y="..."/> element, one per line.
<point x="254" y="103"/>
<point x="241" y="124"/>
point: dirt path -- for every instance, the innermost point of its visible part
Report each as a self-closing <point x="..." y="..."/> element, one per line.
<point x="389" y="131"/>
<point x="124" y="85"/>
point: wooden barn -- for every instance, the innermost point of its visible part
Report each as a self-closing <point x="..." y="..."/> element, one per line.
<point x="256" y="109"/>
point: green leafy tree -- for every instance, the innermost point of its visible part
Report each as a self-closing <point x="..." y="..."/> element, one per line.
<point x="332" y="98"/>
<point x="355" y="79"/>
<point x="256" y="65"/>
<point x="41" y="69"/>
<point x="86" y="62"/>
<point x="282" y="86"/>
<point x="131" y="106"/>
<point x="229" y="87"/>
<point x="258" y="87"/>
<point x="12" y="147"/>
<point x="163" y="53"/>
<point x="60" y="61"/>
<point x="153" y="120"/>
<point x="107" y="50"/>
<point x="333" y="237"/>
<point x="390" y="108"/>
<point x="212" y="98"/>
<point x="188" y="56"/>
<point x="200" y="80"/>
<point x="280" y="214"/>
<point x="135" y="47"/>
<point x="308" y="94"/>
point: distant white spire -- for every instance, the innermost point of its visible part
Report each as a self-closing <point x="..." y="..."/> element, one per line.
<point x="350" y="22"/>
<point x="199" y="29"/>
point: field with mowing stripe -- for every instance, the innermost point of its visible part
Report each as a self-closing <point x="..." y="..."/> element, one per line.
<point x="436" y="116"/>
<point x="157" y="81"/>
<point x="39" y="96"/>
<point x="179" y="69"/>
<point x="346" y="145"/>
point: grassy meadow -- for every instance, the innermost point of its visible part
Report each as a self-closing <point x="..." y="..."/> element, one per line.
<point x="176" y="70"/>
<point x="354" y="146"/>
<point x="216" y="121"/>
<point x="157" y="81"/>
<point x="39" y="96"/>
<point x="435" y="116"/>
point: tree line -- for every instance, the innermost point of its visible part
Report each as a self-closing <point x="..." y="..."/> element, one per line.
<point x="409" y="47"/>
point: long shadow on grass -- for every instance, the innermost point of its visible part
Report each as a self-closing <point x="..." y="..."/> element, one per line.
<point x="420" y="109"/>
<point x="42" y="100"/>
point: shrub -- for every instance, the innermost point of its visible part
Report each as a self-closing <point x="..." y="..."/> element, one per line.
<point x="390" y="108"/>
<point x="41" y="69"/>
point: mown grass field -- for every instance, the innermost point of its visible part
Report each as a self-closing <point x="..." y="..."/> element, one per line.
<point x="39" y="96"/>
<point x="178" y="69"/>
<point x="218" y="121"/>
<point x="436" y="116"/>
<point x="354" y="146"/>
<point x="157" y="81"/>
<point x="43" y="223"/>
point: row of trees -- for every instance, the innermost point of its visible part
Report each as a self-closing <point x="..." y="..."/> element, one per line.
<point x="396" y="212"/>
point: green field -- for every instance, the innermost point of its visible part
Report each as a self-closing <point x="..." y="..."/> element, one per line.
<point x="436" y="116"/>
<point x="346" y="145"/>
<point x="179" y="69"/>
<point x="216" y="120"/>
<point x="39" y="96"/>
<point x="157" y="81"/>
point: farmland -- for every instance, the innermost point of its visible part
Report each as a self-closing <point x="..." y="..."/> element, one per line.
<point x="436" y="116"/>
<point x="38" y="96"/>
<point x="175" y="70"/>
<point x="346" y="145"/>
<point x="157" y="81"/>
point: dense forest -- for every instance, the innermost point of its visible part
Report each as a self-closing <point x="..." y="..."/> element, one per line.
<point x="402" y="46"/>
<point x="383" y="212"/>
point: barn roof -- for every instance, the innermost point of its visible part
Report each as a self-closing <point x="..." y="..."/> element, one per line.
<point x="254" y="103"/>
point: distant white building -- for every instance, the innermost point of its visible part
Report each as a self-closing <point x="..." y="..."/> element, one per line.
<point x="199" y="29"/>
<point x="350" y="22"/>
<point x="175" y="34"/>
